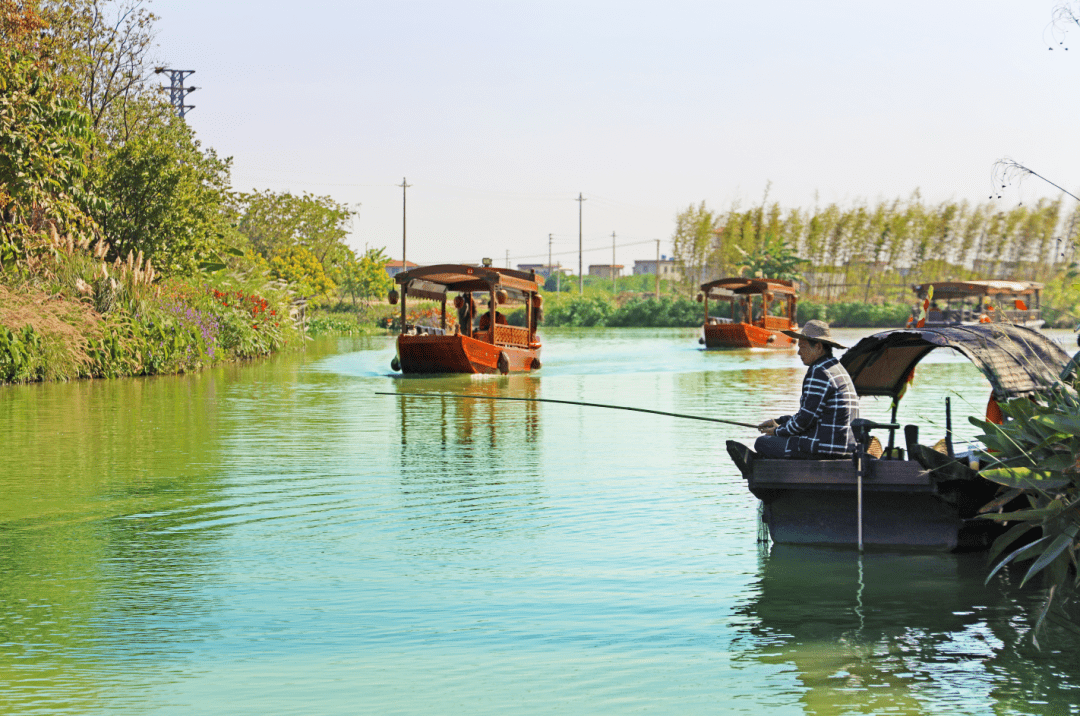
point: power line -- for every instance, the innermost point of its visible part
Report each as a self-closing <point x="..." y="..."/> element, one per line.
<point x="571" y="251"/>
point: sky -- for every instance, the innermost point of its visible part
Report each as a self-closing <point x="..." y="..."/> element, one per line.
<point x="501" y="114"/>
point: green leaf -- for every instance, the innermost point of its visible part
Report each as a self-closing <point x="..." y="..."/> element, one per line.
<point x="1068" y="424"/>
<point x="1004" y="541"/>
<point x="1060" y="543"/>
<point x="1021" y="554"/>
<point x="1026" y="478"/>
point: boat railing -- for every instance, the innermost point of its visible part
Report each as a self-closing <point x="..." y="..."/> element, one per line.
<point x="1015" y="316"/>
<point x="511" y="336"/>
<point x="776" y="323"/>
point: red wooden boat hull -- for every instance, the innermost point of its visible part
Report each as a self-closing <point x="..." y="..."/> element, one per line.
<point x="461" y="354"/>
<point x="744" y="335"/>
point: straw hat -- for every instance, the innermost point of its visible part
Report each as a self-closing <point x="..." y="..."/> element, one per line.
<point x="815" y="331"/>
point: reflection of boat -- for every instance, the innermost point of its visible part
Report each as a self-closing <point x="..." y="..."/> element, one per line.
<point x="869" y="634"/>
<point x="927" y="500"/>
<point x="981" y="302"/>
<point x="760" y="309"/>
<point x="472" y="345"/>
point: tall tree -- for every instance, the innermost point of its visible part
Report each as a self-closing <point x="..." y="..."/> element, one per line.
<point x="45" y="139"/>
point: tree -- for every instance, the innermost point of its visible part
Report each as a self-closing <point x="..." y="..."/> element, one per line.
<point x="166" y="196"/>
<point x="104" y="47"/>
<point x="300" y="268"/>
<point x="366" y="277"/>
<point x="276" y="222"/>
<point x="694" y="241"/>
<point x="775" y="260"/>
<point x="45" y="139"/>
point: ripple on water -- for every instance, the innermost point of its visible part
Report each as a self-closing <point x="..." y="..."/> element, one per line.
<point x="277" y="538"/>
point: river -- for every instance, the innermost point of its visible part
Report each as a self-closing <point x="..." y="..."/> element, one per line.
<point x="275" y="538"/>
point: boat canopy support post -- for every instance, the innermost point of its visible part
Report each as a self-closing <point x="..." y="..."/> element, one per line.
<point x="892" y="433"/>
<point x="948" y="427"/>
<point x="404" y="295"/>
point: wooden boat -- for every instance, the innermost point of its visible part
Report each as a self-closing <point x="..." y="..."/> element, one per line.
<point x="760" y="309"/>
<point x="970" y="302"/>
<point x="472" y="345"/>
<point x="922" y="499"/>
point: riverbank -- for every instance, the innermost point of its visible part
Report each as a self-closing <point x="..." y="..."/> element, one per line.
<point x="80" y="317"/>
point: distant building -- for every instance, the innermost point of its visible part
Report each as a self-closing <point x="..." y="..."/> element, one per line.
<point x="395" y="267"/>
<point x="667" y="268"/>
<point x="606" y="270"/>
<point x="542" y="270"/>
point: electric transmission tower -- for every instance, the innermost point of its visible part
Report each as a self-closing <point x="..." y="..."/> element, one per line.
<point x="177" y="91"/>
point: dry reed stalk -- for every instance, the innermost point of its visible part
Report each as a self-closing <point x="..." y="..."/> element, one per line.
<point x="68" y="325"/>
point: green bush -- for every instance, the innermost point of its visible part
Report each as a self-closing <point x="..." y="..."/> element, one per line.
<point x="855" y="314"/>
<point x="333" y="324"/>
<point x="667" y="312"/>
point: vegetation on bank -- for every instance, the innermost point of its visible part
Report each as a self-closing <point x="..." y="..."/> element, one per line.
<point x="596" y="308"/>
<point x="123" y="248"/>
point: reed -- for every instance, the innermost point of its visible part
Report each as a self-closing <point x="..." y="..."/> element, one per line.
<point x="867" y="251"/>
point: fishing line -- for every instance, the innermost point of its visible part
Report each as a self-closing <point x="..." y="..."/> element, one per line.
<point x="571" y="402"/>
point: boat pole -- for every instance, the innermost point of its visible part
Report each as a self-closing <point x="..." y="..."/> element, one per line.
<point x="571" y="402"/>
<point x="858" y="490"/>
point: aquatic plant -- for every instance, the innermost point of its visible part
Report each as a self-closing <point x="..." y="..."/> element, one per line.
<point x="1035" y="456"/>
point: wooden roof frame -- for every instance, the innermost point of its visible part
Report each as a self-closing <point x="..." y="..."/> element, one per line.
<point x="727" y="288"/>
<point x="464" y="278"/>
<point x="946" y="290"/>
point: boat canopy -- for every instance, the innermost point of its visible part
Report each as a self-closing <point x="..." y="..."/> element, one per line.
<point x="434" y="281"/>
<point x="1017" y="361"/>
<point x="723" y="288"/>
<point x="946" y="290"/>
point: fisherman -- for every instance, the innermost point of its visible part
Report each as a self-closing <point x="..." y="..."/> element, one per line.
<point x="821" y="429"/>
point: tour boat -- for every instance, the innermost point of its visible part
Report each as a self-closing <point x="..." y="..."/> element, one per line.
<point x="978" y="302"/>
<point x="926" y="498"/>
<point x="466" y="342"/>
<point x="760" y="309"/>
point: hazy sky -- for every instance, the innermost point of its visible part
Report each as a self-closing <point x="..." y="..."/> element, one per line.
<point x="500" y="113"/>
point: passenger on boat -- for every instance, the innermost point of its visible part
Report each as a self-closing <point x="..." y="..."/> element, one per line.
<point x="485" y="321"/>
<point x="466" y="311"/>
<point x="822" y="426"/>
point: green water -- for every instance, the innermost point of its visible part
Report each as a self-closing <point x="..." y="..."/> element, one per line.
<point x="276" y="538"/>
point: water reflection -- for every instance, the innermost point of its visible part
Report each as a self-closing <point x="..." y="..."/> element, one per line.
<point x="470" y="462"/>
<point x="894" y="633"/>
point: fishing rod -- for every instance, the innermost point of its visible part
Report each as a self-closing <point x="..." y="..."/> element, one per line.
<point x="571" y="402"/>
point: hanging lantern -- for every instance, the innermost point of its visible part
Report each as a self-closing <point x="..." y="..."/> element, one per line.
<point x="392" y="297"/>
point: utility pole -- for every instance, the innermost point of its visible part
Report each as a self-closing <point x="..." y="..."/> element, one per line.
<point x="614" y="285"/>
<point x="177" y="90"/>
<point x="580" y="275"/>
<point x="403" y="186"/>
<point x="658" y="269"/>
<point x="549" y="258"/>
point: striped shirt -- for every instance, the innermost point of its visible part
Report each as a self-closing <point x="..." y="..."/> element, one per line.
<point x="828" y="405"/>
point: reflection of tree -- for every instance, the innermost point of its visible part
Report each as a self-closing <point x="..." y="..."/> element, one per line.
<point x="890" y="633"/>
<point x="97" y="477"/>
